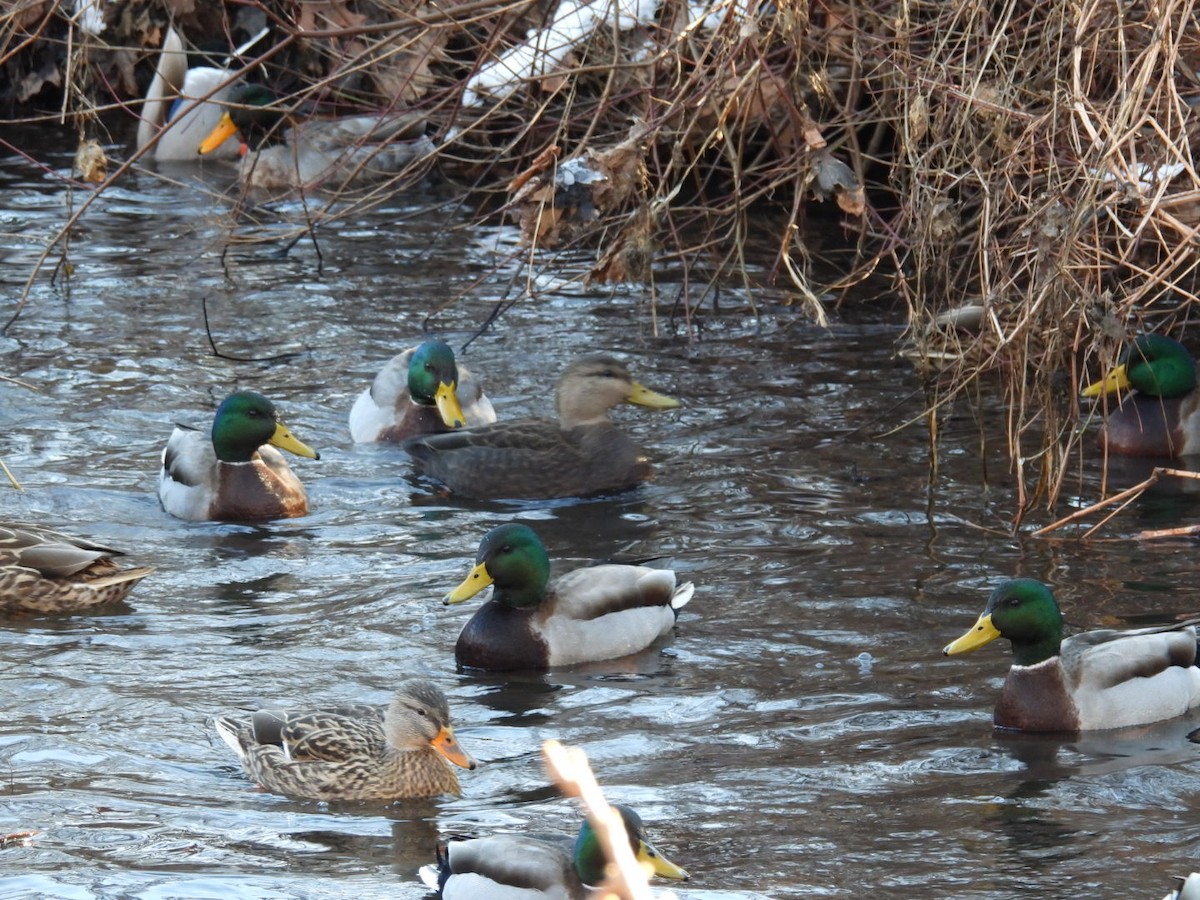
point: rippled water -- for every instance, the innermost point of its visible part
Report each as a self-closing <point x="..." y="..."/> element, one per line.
<point x="801" y="736"/>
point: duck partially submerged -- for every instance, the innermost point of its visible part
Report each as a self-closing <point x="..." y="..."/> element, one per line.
<point x="235" y="473"/>
<point x="1086" y="682"/>
<point x="420" y="391"/>
<point x="353" y="752"/>
<point x="44" y="571"/>
<point x="283" y="153"/>
<point x="509" y="866"/>
<point x="183" y="103"/>
<point x="1160" y="413"/>
<point x="590" y="614"/>
<point x="582" y="453"/>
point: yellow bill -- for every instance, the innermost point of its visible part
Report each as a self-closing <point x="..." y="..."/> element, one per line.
<point x="284" y="440"/>
<point x="982" y="632"/>
<point x="224" y="131"/>
<point x="643" y="396"/>
<point x="1117" y="380"/>
<point x="447" y="745"/>
<point x="648" y="855"/>
<point x="476" y="581"/>
<point x="446" y="399"/>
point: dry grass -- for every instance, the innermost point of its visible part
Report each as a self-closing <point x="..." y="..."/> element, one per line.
<point x="1023" y="170"/>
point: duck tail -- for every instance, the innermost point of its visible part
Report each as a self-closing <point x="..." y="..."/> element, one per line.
<point x="682" y="595"/>
<point x="230" y="731"/>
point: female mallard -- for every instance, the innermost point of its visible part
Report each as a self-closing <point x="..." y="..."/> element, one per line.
<point x="353" y="752"/>
<point x="1163" y="417"/>
<point x="304" y="155"/>
<point x="234" y="475"/>
<point x="590" y="614"/>
<point x="1096" y="680"/>
<point x="554" y="868"/>
<point x="44" y="571"/>
<point x="419" y="391"/>
<point x="582" y="453"/>
<point x="183" y="103"/>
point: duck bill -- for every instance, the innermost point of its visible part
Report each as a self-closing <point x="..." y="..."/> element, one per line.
<point x="447" y="745"/>
<point x="1117" y="380"/>
<point x="648" y="855"/>
<point x="643" y="396"/>
<point x="224" y="131"/>
<point x="476" y="581"/>
<point x="285" y="440"/>
<point x="446" y="399"/>
<point x="982" y="632"/>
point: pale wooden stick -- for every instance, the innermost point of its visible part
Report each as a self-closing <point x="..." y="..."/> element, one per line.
<point x="624" y="877"/>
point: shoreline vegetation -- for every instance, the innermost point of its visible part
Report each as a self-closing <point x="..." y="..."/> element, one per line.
<point x="1023" y="176"/>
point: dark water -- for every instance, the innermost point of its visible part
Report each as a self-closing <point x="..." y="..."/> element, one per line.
<point x="801" y="736"/>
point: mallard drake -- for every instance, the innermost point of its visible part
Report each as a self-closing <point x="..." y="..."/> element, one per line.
<point x="187" y="100"/>
<point x="533" y="867"/>
<point x="594" y="613"/>
<point x="44" y="571"/>
<point x="420" y="391"/>
<point x="1086" y="682"/>
<point x="582" y="453"/>
<point x="1162" y="417"/>
<point x="234" y="474"/>
<point x="353" y="752"/>
<point x="284" y="156"/>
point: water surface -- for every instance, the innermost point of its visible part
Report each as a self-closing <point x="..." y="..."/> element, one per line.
<point x="802" y="734"/>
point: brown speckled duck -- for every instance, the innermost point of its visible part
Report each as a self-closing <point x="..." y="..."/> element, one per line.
<point x="582" y="453"/>
<point x="44" y="571"/>
<point x="353" y="752"/>
<point x="1086" y="682"/>
<point x="594" y="613"/>
<point x="1159" y="415"/>
<point x="236" y="474"/>
<point x="420" y="391"/>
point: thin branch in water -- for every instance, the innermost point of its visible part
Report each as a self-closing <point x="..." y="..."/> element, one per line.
<point x="282" y="357"/>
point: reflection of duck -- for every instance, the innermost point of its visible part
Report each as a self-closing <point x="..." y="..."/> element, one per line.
<point x="353" y="752"/>
<point x="582" y="453"/>
<point x="234" y="474"/>
<point x="305" y="154"/>
<point x="595" y="613"/>
<point x="1162" y="416"/>
<point x="187" y="100"/>
<point x="532" y="868"/>
<point x="1095" y="680"/>
<point x="420" y="391"/>
<point x="44" y="571"/>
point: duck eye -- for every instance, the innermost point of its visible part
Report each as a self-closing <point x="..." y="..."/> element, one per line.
<point x="421" y="712"/>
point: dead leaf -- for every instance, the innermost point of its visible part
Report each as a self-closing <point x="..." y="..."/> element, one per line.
<point x="91" y="163"/>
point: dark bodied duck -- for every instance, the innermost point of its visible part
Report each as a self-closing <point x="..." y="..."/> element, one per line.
<point x="508" y="866"/>
<point x="582" y="453"/>
<point x="420" y="391"/>
<point x="281" y="154"/>
<point x="353" y="752"/>
<point x="44" y="571"/>
<point x="235" y="473"/>
<point x="590" y="614"/>
<point x="1162" y="415"/>
<point x="1086" y="682"/>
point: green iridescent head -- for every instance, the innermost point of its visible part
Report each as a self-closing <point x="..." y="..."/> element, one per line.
<point x="1153" y="364"/>
<point x="589" y="855"/>
<point x="433" y="381"/>
<point x="244" y="422"/>
<point x="513" y="559"/>
<point x="1024" y="611"/>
